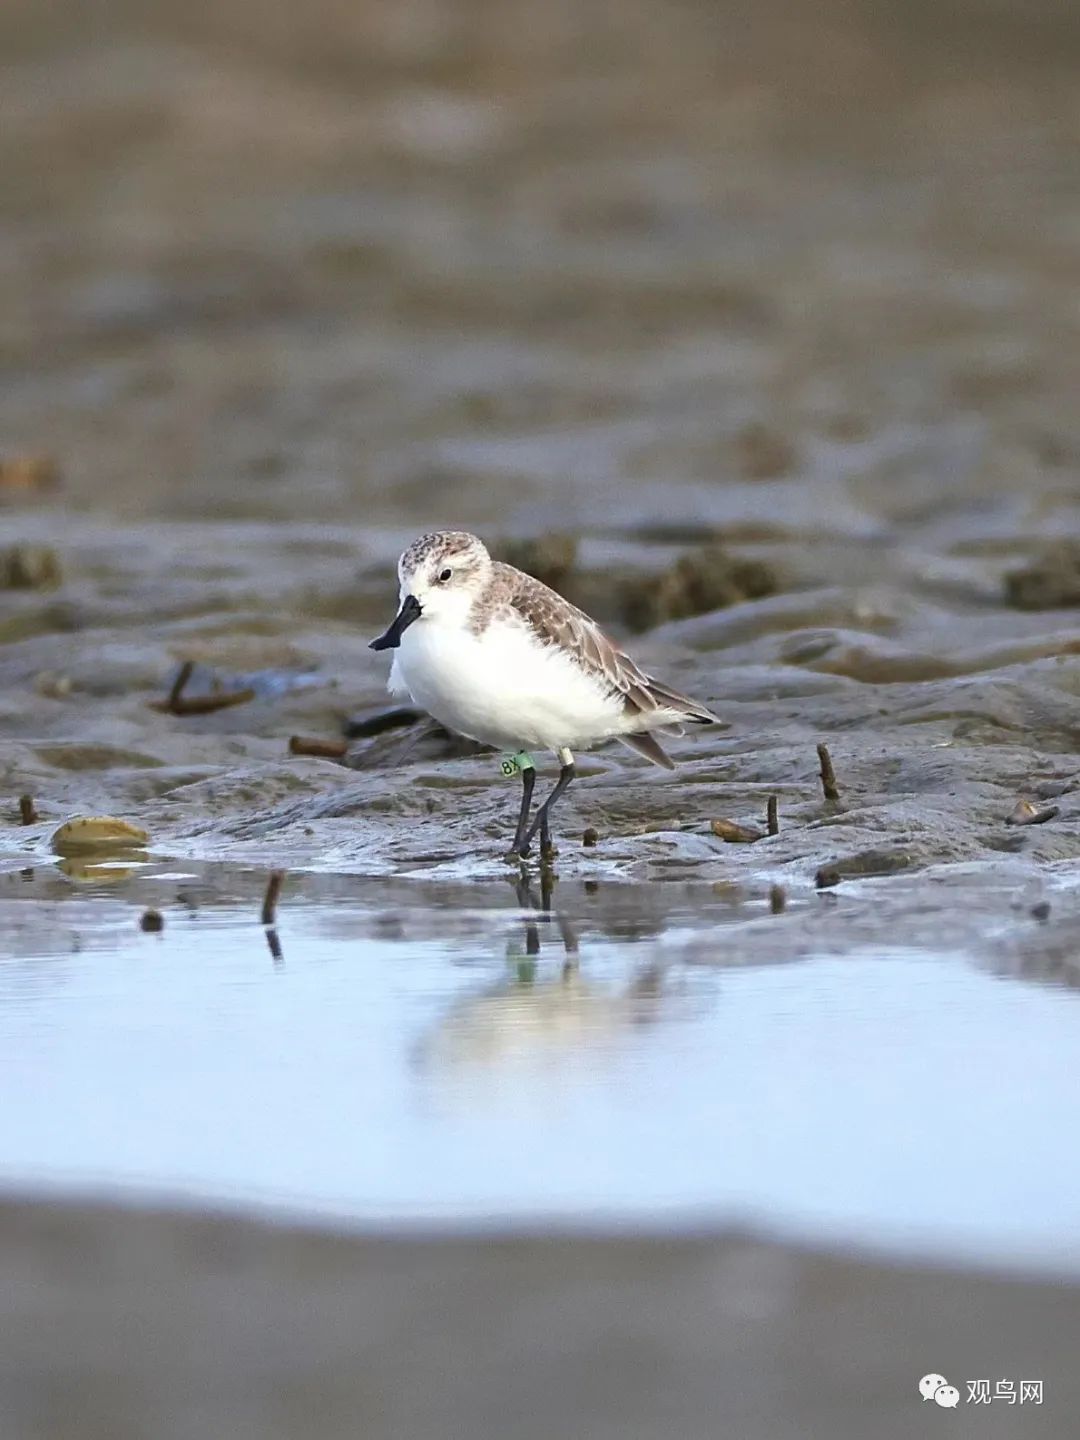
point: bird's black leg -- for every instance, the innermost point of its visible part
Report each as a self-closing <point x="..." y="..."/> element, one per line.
<point x="541" y="823"/>
<point x="528" y="780"/>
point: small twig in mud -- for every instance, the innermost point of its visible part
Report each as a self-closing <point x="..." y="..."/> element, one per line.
<point x="828" y="774"/>
<point x="734" y="834"/>
<point x="772" y="815"/>
<point x="152" y="921"/>
<point x="363" y="727"/>
<point x="270" y="899"/>
<point x="27" y="810"/>
<point x="179" y="685"/>
<point x="323" y="749"/>
<point x="207" y="704"/>
<point x="1028" y="813"/>
<point x="591" y="837"/>
<point x="777" y="899"/>
<point x="177" y="704"/>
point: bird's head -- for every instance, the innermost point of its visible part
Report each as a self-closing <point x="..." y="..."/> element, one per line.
<point x="440" y="576"/>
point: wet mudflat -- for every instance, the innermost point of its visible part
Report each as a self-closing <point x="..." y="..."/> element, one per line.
<point x="271" y="309"/>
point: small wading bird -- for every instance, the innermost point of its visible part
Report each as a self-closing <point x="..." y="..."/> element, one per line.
<point x="497" y="656"/>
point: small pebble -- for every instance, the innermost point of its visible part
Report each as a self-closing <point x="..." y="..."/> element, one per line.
<point x="152" y="922"/>
<point x="591" y="837"/>
<point x="1041" y="911"/>
<point x="777" y="899"/>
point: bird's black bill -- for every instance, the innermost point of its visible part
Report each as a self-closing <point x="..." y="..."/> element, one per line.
<point x="391" y="638"/>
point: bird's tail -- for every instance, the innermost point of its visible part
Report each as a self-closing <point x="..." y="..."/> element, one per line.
<point x="689" y="710"/>
<point x="648" y="745"/>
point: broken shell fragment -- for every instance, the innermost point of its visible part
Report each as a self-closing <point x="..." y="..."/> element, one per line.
<point x="97" y="832"/>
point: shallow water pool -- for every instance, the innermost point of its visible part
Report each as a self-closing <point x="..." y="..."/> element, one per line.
<point x="455" y="1052"/>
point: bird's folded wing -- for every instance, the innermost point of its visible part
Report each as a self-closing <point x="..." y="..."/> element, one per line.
<point x="554" y="621"/>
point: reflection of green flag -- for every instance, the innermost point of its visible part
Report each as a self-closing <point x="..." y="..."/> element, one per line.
<point x="523" y="963"/>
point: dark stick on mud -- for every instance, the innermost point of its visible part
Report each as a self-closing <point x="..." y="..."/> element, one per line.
<point x="322" y="749"/>
<point x="828" y="774"/>
<point x="273" y="893"/>
<point x="27" y="810"/>
<point x="179" y="685"/>
<point x="772" y="816"/>
<point x="363" y="727"/>
<point x="207" y="704"/>
<point x="177" y="704"/>
<point x="777" y="899"/>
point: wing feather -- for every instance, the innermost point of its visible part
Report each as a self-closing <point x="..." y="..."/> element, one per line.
<point x="554" y="621"/>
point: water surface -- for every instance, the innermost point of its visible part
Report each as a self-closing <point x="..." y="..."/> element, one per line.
<point x="454" y="1052"/>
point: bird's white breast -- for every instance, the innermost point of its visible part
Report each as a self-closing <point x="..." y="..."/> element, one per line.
<point x="503" y="687"/>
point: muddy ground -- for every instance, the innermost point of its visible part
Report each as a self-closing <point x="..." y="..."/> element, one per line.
<point x="270" y="317"/>
<point x="271" y="310"/>
<point x="279" y="291"/>
<point x="180" y="1326"/>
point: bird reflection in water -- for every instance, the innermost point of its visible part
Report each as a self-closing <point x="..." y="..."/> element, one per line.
<point x="527" y="900"/>
<point x="531" y="1017"/>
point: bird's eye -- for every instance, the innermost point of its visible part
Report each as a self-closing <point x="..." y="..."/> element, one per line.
<point x="445" y="575"/>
